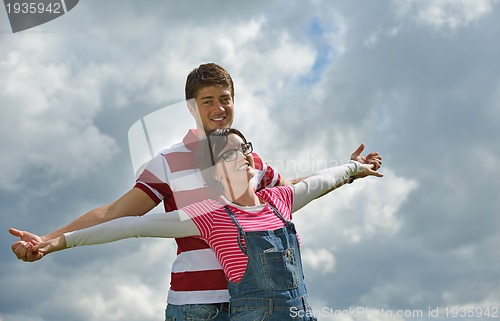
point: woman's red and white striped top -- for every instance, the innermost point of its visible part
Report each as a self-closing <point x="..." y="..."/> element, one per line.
<point x="221" y="233"/>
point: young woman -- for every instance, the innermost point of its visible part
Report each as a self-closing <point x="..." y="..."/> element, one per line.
<point x="250" y="232"/>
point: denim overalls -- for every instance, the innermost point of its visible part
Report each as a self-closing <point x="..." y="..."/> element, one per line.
<point x="272" y="287"/>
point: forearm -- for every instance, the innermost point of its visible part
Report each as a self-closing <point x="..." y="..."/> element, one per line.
<point x="165" y="225"/>
<point x="94" y="217"/>
<point x="291" y="181"/>
<point x="133" y="203"/>
<point x="323" y="182"/>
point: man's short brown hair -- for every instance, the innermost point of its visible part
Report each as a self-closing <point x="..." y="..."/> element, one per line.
<point x="208" y="75"/>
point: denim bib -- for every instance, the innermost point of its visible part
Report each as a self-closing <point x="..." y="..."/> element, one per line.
<point x="272" y="287"/>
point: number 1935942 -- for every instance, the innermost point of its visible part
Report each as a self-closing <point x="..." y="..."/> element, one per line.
<point x="33" y="8"/>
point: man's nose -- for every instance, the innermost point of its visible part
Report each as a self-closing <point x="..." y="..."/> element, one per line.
<point x="219" y="106"/>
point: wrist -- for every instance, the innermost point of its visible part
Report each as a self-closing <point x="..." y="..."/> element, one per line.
<point x="355" y="168"/>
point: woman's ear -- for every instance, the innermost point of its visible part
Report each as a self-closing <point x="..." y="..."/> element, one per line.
<point x="218" y="172"/>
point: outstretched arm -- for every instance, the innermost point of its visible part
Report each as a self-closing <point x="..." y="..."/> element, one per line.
<point x="133" y="203"/>
<point x="166" y="225"/>
<point x="329" y="179"/>
<point x="317" y="186"/>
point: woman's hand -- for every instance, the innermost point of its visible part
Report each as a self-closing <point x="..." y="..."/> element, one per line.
<point x="368" y="170"/>
<point x="52" y="245"/>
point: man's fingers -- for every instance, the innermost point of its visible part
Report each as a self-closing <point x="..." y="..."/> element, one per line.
<point x="41" y="249"/>
<point x="16" y="247"/>
<point x="40" y="246"/>
<point x="358" y="151"/>
<point x="374" y="171"/>
<point x="373" y="154"/>
<point x="372" y="168"/>
<point x="376" y="164"/>
<point x="21" y="251"/>
<point x="375" y="159"/>
<point x="26" y="251"/>
<point x="33" y="254"/>
<point x="15" y="232"/>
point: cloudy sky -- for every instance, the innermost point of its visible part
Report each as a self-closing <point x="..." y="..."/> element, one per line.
<point x="416" y="80"/>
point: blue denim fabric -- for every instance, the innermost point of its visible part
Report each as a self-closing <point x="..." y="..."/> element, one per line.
<point x="272" y="287"/>
<point x="197" y="312"/>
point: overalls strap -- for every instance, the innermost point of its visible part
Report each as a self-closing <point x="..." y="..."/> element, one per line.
<point x="287" y="223"/>
<point x="241" y="233"/>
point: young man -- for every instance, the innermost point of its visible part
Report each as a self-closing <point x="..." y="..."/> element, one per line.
<point x="198" y="286"/>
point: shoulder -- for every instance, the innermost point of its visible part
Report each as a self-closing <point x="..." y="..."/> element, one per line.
<point x="174" y="158"/>
<point x="281" y="197"/>
<point x="265" y="175"/>
<point x="201" y="209"/>
<point x="179" y="147"/>
<point x="277" y="193"/>
<point x="258" y="162"/>
<point x="159" y="158"/>
<point x="202" y="214"/>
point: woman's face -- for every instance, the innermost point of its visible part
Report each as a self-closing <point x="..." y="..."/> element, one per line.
<point x="233" y="166"/>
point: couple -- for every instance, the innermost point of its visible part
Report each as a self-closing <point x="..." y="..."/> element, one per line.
<point x="250" y="232"/>
<point x="198" y="288"/>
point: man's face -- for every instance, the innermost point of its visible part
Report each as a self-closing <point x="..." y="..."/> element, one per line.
<point x="215" y="107"/>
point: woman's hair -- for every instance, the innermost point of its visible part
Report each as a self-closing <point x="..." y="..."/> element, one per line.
<point x="209" y="149"/>
<point x="207" y="75"/>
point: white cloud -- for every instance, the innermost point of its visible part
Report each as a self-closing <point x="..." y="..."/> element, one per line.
<point x="443" y="14"/>
<point x="380" y="33"/>
<point x="47" y="124"/>
<point x="322" y="260"/>
<point x="291" y="59"/>
<point x="357" y="213"/>
<point x="142" y="301"/>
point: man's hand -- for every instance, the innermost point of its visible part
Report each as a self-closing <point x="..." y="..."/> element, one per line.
<point x="372" y="159"/>
<point x="23" y="248"/>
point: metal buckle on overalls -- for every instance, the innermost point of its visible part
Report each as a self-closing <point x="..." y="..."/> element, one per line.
<point x="241" y="234"/>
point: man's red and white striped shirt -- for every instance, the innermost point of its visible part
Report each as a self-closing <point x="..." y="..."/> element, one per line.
<point x="173" y="177"/>
<point x="221" y="233"/>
